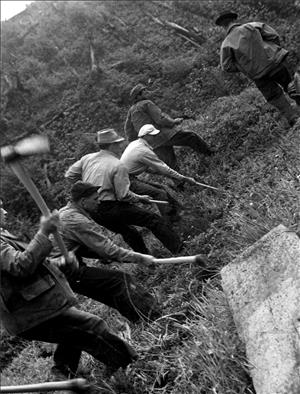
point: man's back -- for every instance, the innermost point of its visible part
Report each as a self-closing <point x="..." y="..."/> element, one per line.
<point x="132" y="157"/>
<point x="100" y="169"/>
<point x="140" y="114"/>
<point x="146" y="112"/>
<point x="253" y="48"/>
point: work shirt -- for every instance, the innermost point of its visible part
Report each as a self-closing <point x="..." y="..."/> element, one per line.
<point x="79" y="229"/>
<point x="146" y="112"/>
<point x="33" y="290"/>
<point x="105" y="170"/>
<point x="138" y="157"/>
<point x="252" y="48"/>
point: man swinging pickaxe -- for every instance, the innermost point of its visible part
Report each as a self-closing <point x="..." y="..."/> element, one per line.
<point x="12" y="156"/>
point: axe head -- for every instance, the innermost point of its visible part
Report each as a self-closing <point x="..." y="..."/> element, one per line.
<point x="33" y="145"/>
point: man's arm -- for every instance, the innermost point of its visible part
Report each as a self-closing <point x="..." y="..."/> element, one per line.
<point x="227" y="60"/>
<point x="160" y="118"/>
<point x="152" y="161"/>
<point x="268" y="33"/>
<point x="22" y="264"/>
<point x="122" y="185"/>
<point x="157" y="166"/>
<point x="130" y="132"/>
<point x="88" y="233"/>
<point x="74" y="172"/>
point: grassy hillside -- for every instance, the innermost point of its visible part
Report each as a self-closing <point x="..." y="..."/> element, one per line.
<point x="194" y="347"/>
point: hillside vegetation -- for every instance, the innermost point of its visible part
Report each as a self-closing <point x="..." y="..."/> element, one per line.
<point x="67" y="70"/>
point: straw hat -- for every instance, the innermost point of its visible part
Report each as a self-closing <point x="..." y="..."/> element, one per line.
<point x="108" y="136"/>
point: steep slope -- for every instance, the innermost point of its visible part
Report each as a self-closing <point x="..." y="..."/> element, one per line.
<point x="194" y="348"/>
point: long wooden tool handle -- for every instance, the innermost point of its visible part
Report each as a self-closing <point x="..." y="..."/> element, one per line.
<point x="36" y="195"/>
<point x="159" y="202"/>
<point x="180" y="260"/>
<point x="75" y="385"/>
<point x="204" y="185"/>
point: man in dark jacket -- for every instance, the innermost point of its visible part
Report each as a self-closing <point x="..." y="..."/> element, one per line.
<point x="36" y="303"/>
<point x="254" y="49"/>
<point x="85" y="237"/>
<point x="144" y="111"/>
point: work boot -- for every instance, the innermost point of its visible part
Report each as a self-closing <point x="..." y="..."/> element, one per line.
<point x="285" y="108"/>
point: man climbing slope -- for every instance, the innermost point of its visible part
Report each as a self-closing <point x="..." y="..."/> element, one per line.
<point x="254" y="49"/>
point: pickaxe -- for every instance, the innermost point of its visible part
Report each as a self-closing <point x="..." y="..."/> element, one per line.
<point x="197" y="261"/>
<point x="74" y="386"/>
<point x="12" y="155"/>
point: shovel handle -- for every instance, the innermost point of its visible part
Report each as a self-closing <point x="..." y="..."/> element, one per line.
<point x="74" y="385"/>
<point x="181" y="260"/>
<point x="23" y="176"/>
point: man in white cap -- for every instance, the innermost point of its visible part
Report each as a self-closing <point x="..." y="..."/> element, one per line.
<point x="117" y="210"/>
<point x="139" y="157"/>
<point x="144" y="111"/>
<point x="254" y="49"/>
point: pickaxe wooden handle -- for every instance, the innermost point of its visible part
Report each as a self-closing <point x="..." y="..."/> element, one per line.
<point x="161" y="202"/>
<point x="198" y="259"/>
<point x="23" y="176"/>
<point x="204" y="185"/>
<point x="74" y="385"/>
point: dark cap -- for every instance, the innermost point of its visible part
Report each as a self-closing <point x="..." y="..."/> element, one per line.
<point x="229" y="15"/>
<point x="82" y="189"/>
<point x="137" y="90"/>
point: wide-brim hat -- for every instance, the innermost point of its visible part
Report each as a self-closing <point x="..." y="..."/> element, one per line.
<point x="225" y="15"/>
<point x="136" y="90"/>
<point x="108" y="136"/>
<point x="148" y="129"/>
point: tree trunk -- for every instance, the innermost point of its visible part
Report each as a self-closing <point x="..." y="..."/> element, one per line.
<point x="194" y="38"/>
<point x="94" y="66"/>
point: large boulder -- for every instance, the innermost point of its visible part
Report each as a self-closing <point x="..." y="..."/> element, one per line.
<point x="263" y="289"/>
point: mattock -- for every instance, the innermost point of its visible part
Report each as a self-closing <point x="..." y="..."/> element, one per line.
<point x="12" y="156"/>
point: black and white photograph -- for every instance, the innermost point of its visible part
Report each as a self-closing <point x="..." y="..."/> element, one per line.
<point x="150" y="197"/>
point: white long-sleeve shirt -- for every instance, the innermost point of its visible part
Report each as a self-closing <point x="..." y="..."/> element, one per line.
<point x="139" y="157"/>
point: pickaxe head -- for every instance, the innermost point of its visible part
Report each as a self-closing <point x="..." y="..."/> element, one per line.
<point x="33" y="145"/>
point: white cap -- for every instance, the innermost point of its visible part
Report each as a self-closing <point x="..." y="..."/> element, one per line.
<point x="148" y="129"/>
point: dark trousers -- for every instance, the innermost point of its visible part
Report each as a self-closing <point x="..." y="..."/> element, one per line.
<point x="167" y="154"/>
<point x="169" y="211"/>
<point x="75" y="331"/>
<point x="116" y="289"/>
<point x="190" y="139"/>
<point x="120" y="216"/>
<point x="271" y="85"/>
<point x="181" y="138"/>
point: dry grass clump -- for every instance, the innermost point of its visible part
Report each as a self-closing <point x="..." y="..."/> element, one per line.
<point x="197" y="351"/>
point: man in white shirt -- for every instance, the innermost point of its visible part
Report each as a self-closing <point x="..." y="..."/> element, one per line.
<point x="139" y="157"/>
